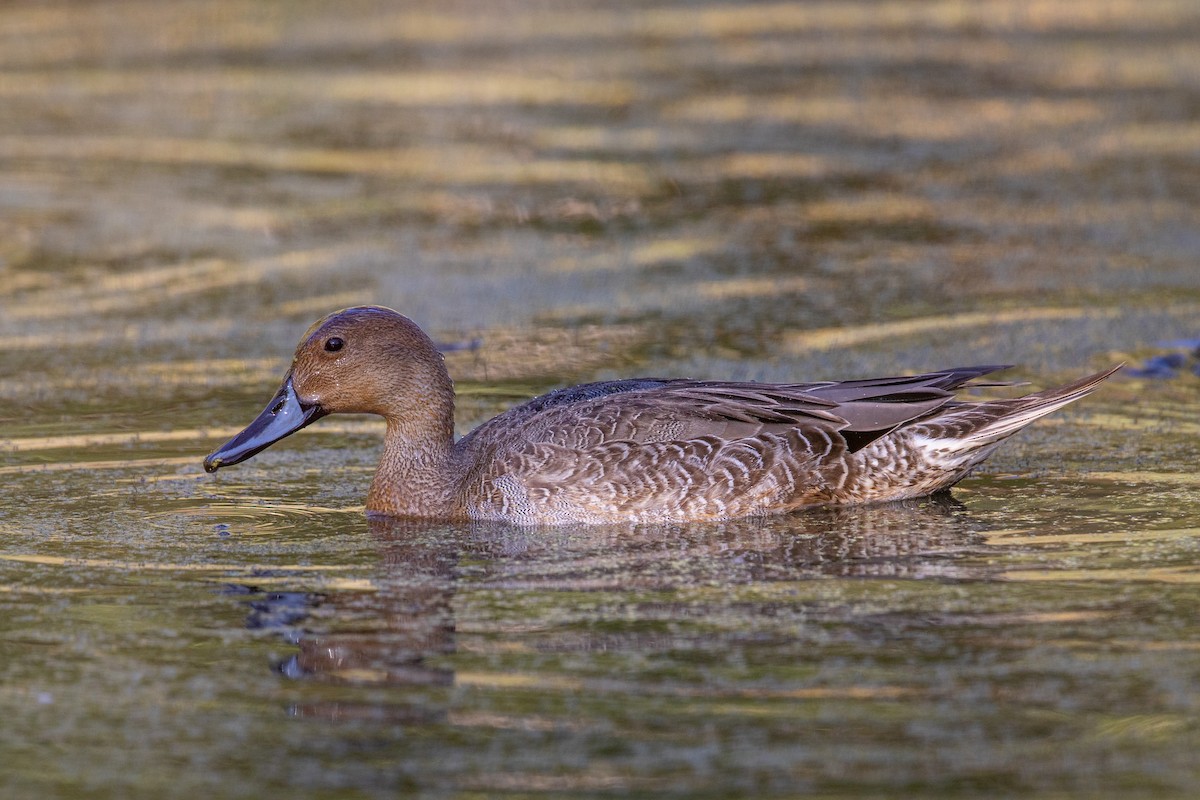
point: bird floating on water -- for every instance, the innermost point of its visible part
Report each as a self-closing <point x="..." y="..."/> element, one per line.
<point x="637" y="450"/>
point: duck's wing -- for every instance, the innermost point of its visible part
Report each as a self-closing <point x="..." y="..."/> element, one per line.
<point x="648" y="410"/>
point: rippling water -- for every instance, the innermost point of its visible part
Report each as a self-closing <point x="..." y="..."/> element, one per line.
<point x="563" y="192"/>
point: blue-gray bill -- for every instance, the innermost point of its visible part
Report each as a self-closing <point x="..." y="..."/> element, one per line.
<point x="283" y="416"/>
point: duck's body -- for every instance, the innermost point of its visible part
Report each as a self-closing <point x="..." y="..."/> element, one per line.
<point x="642" y="450"/>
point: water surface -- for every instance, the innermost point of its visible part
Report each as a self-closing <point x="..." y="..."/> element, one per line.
<point x="575" y="191"/>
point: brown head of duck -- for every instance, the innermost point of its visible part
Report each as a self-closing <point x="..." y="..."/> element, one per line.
<point x="641" y="450"/>
<point x="369" y="360"/>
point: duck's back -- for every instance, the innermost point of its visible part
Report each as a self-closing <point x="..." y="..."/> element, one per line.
<point x="668" y="450"/>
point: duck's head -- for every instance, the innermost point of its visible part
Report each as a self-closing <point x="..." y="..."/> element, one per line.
<point x="362" y="360"/>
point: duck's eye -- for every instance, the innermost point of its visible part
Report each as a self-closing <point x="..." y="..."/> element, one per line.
<point x="333" y="344"/>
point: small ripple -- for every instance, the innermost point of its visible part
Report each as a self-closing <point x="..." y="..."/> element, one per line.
<point x="225" y="518"/>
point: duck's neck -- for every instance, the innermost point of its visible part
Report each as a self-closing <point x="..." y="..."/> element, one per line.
<point x="417" y="475"/>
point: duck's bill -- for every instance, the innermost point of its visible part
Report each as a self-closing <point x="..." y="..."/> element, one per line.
<point x="282" y="417"/>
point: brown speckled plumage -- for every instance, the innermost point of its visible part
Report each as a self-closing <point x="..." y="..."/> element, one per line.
<point x="643" y="450"/>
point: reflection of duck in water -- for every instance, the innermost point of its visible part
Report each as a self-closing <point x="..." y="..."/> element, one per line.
<point x="397" y="633"/>
<point x="912" y="538"/>
<point x="642" y="450"/>
<point x="386" y="635"/>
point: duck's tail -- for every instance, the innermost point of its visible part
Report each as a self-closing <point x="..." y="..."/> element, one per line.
<point x="999" y="419"/>
<point x="963" y="436"/>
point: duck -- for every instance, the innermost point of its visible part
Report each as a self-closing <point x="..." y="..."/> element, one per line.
<point x="640" y="450"/>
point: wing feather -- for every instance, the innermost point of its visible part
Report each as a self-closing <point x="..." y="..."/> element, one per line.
<point x="646" y="410"/>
